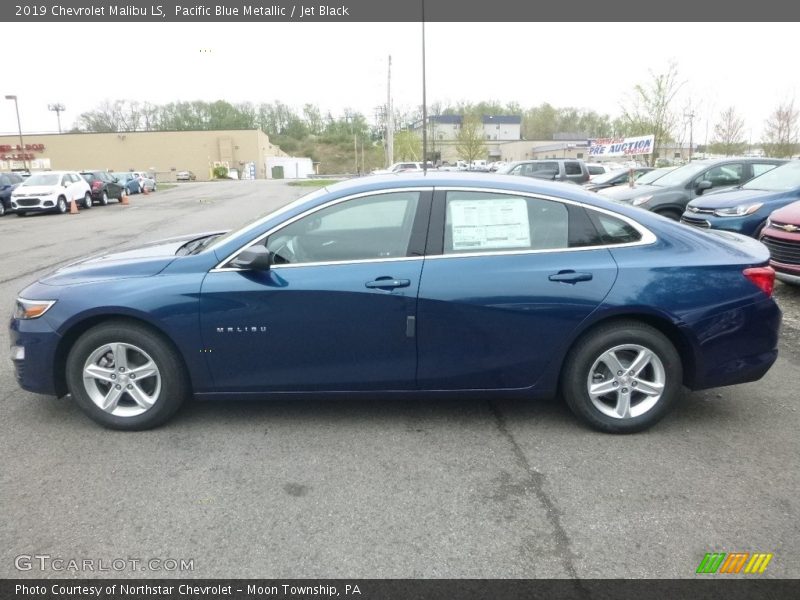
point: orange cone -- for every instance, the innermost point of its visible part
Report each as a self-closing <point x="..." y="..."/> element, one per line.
<point x="73" y="207"/>
<point x="124" y="199"/>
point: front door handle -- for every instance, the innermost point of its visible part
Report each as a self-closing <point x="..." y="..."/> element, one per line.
<point x="388" y="283"/>
<point x="570" y="277"/>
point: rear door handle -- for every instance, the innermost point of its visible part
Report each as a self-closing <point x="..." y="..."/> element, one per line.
<point x="570" y="277"/>
<point x="388" y="283"/>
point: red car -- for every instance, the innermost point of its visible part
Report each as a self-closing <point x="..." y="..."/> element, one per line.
<point x="782" y="236"/>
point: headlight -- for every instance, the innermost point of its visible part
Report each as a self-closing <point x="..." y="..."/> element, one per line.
<point x="641" y="199"/>
<point x="738" y="211"/>
<point x="31" y="309"/>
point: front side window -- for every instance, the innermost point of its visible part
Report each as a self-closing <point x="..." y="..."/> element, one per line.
<point x="486" y="222"/>
<point x="725" y="175"/>
<point x="370" y="227"/>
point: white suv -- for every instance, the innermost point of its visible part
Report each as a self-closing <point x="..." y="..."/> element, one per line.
<point x="51" y="191"/>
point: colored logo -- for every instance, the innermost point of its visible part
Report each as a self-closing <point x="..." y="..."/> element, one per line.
<point x="734" y="562"/>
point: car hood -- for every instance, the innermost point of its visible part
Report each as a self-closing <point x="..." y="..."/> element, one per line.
<point x="144" y="261"/>
<point x="788" y="214"/>
<point x="731" y="198"/>
<point x="31" y="190"/>
<point x="625" y="192"/>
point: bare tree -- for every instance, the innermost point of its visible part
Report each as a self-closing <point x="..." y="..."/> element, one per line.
<point x="781" y="131"/>
<point x="471" y="141"/>
<point x="650" y="109"/>
<point x="729" y="134"/>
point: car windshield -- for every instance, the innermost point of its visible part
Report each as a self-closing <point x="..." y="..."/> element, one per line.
<point x="681" y="175"/>
<point x="607" y="177"/>
<point x="250" y="225"/>
<point x="505" y="168"/>
<point x="651" y="176"/>
<point x="42" y="179"/>
<point x="779" y="179"/>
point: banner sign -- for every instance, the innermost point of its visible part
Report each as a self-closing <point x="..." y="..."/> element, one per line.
<point x="630" y="146"/>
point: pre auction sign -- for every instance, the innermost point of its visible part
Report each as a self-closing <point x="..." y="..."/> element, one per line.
<point x="630" y="146"/>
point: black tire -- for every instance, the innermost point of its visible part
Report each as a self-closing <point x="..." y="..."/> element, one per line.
<point x="87" y="200"/>
<point x="670" y="214"/>
<point x="585" y="360"/>
<point x="104" y="199"/>
<point x="123" y="191"/>
<point x="167" y="396"/>
<point x="2" y="209"/>
<point x="61" y="205"/>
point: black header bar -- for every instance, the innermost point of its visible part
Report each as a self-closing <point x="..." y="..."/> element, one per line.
<point x="343" y="11"/>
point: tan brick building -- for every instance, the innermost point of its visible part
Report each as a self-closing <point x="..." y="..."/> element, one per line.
<point x="162" y="152"/>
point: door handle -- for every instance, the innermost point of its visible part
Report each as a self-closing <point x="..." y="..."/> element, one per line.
<point x="388" y="283"/>
<point x="570" y="277"/>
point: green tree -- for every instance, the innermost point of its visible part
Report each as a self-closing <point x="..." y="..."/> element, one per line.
<point x="728" y="134"/>
<point x="471" y="141"/>
<point x="781" y="131"/>
<point x="407" y="145"/>
<point x="650" y="108"/>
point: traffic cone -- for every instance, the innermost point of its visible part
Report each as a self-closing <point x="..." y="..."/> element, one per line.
<point x="124" y="199"/>
<point x="144" y="190"/>
<point x="73" y="207"/>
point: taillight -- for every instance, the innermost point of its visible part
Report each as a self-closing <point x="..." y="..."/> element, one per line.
<point x="763" y="277"/>
<point x="97" y="185"/>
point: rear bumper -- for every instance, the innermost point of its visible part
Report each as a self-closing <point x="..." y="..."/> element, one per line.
<point x="737" y="346"/>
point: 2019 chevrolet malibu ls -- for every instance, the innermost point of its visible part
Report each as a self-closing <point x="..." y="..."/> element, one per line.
<point x="441" y="284"/>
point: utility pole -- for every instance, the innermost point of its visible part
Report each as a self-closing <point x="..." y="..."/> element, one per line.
<point x="57" y="108"/>
<point x="690" y="116"/>
<point x="19" y="127"/>
<point x="424" y="103"/>
<point x="389" y="119"/>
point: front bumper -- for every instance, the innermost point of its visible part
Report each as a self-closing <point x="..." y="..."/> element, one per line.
<point x="34" y="345"/>
<point x="44" y="204"/>
<point x="746" y="225"/>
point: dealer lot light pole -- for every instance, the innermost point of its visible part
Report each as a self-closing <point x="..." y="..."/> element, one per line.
<point x="19" y="127"/>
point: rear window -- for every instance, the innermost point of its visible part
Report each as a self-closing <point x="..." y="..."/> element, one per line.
<point x="592" y="170"/>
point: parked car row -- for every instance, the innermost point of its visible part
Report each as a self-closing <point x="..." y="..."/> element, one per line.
<point x="54" y="191"/>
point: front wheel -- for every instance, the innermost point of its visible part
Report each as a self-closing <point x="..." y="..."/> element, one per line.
<point x="61" y="205"/>
<point x="125" y="376"/>
<point x="622" y="377"/>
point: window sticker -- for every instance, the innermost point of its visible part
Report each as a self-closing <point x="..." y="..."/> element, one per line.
<point x="490" y="223"/>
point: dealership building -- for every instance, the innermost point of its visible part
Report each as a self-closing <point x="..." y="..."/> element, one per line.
<point x="163" y="153"/>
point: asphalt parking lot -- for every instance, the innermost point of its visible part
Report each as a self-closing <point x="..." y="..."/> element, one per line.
<point x="381" y="489"/>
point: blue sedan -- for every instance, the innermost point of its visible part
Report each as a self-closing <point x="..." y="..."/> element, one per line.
<point x="436" y="284"/>
<point x="745" y="209"/>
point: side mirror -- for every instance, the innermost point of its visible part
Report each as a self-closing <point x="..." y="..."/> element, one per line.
<point x="704" y="185"/>
<point x="255" y="258"/>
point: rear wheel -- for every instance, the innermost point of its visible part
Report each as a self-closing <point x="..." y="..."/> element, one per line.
<point x="104" y="199"/>
<point x="622" y="377"/>
<point x="2" y="209"/>
<point x="125" y="376"/>
<point x="87" y="200"/>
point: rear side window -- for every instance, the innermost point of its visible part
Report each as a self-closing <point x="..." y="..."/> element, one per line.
<point x="761" y="168"/>
<point x="612" y="230"/>
<point x="573" y="168"/>
<point x="486" y="222"/>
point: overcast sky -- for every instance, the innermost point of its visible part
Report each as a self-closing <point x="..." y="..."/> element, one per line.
<point x="335" y="66"/>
